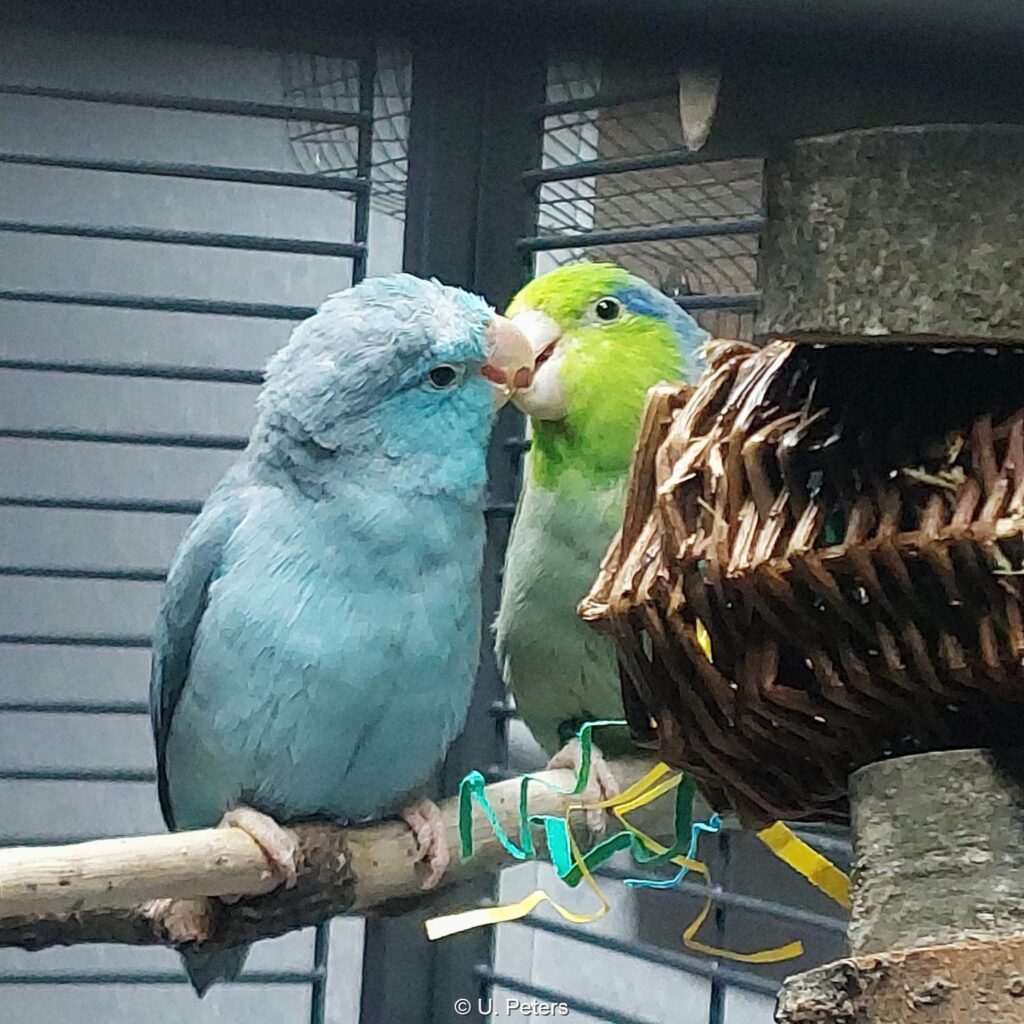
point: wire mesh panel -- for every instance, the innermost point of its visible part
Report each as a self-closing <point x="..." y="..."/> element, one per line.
<point x="167" y="215"/>
<point x="330" y="149"/>
<point x="633" y="195"/>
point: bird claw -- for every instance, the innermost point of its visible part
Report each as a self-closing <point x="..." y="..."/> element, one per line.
<point x="279" y="845"/>
<point x="428" y="828"/>
<point x="601" y="784"/>
<point x="187" y="920"/>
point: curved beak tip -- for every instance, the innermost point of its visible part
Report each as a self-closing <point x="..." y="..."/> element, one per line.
<point x="510" y="357"/>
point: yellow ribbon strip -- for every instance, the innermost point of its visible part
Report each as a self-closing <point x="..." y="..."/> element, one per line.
<point x="644" y="791"/>
<point x="633" y="796"/>
<point x="452" y="924"/>
<point x="704" y="640"/>
<point x="766" y="956"/>
<point x="805" y="860"/>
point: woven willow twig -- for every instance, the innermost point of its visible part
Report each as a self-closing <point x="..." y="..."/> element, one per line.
<point x="848" y="525"/>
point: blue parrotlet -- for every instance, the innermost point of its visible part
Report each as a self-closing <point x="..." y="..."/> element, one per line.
<point x="319" y="631"/>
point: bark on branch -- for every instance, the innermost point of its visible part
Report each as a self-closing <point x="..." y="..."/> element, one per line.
<point x="91" y="892"/>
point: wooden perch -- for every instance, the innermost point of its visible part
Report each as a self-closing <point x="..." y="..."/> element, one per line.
<point x="937" y="924"/>
<point x="91" y="892"/>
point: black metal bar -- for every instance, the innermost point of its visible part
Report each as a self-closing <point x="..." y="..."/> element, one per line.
<point x="77" y="774"/>
<point x="194" y="105"/>
<point x="716" y="997"/>
<point x="171" y="508"/>
<point x="601" y="100"/>
<point x="364" y="155"/>
<point x="466" y="206"/>
<point x="826" y="844"/>
<point x="613" y="165"/>
<point x="716" y="1002"/>
<point x="61" y="572"/>
<point x="321" y="956"/>
<point x="556" y="998"/>
<point x="202" y="239"/>
<point x="151" y="978"/>
<point x="221" y="442"/>
<point x="660" y="233"/>
<point x="64" y="707"/>
<point x="75" y="640"/>
<point x="703" y="966"/>
<point x="196" y="172"/>
<point x="399" y="975"/>
<point x="740" y="302"/>
<point x="500" y="510"/>
<point x="771" y="908"/>
<point x="160" y="371"/>
<point x="169" y="304"/>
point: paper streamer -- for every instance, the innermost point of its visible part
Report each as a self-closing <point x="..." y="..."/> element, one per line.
<point x="805" y="860"/>
<point x="704" y="640"/>
<point x="452" y="924"/>
<point x="561" y="842"/>
<point x="573" y="866"/>
<point x="765" y="956"/>
<point x="473" y="788"/>
<point x="712" y="825"/>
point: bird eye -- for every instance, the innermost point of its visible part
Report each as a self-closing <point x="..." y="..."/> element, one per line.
<point x="442" y="377"/>
<point x="607" y="309"/>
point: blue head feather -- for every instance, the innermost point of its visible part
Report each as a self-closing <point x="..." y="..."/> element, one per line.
<point x="352" y="383"/>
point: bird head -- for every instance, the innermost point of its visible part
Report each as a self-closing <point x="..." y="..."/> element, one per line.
<point x="397" y="370"/>
<point x="602" y="338"/>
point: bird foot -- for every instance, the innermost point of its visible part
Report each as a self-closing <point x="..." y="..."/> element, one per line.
<point x="183" y="920"/>
<point x="428" y="827"/>
<point x="279" y="845"/>
<point x="601" y="784"/>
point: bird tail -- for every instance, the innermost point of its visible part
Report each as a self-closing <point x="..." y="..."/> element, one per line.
<point x="204" y="969"/>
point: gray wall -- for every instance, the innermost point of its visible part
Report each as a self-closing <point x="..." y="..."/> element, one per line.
<point x="34" y="811"/>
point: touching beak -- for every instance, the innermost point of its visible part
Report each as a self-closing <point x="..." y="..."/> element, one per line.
<point x="541" y="332"/>
<point x="545" y="398"/>
<point x="509" y="363"/>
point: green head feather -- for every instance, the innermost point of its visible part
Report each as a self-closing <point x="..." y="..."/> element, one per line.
<point x="606" y="367"/>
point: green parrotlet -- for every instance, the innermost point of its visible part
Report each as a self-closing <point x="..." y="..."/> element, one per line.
<point x="602" y="338"/>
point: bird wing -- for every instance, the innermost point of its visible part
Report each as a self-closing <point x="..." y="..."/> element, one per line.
<point x="500" y="626"/>
<point x="559" y="669"/>
<point x="181" y="609"/>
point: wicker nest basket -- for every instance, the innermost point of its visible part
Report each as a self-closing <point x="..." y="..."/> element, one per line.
<point x="847" y="525"/>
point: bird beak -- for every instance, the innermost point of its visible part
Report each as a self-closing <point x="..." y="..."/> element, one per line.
<point x="545" y="399"/>
<point x="541" y="332"/>
<point x="509" y="363"/>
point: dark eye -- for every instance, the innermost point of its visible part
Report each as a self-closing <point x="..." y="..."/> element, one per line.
<point x="608" y="309"/>
<point x="442" y="377"/>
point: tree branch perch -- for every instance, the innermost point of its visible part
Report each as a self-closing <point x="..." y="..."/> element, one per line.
<point x="92" y="892"/>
